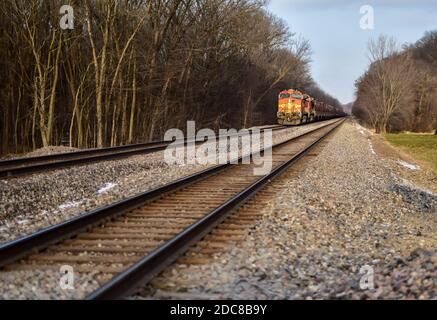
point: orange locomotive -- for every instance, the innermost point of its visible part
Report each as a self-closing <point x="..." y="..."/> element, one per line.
<point x="296" y="107"/>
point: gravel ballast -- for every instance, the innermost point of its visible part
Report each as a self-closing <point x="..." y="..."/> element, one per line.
<point x="38" y="192"/>
<point x="40" y="200"/>
<point x="347" y="214"/>
<point x="349" y="210"/>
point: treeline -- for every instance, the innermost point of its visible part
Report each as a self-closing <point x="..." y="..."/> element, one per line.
<point x="398" y="91"/>
<point x="129" y="70"/>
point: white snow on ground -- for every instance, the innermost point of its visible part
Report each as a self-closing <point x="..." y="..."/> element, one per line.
<point x="362" y="130"/>
<point x="408" y="165"/>
<point x="108" y="186"/>
<point x="74" y="204"/>
<point x="71" y="204"/>
<point x="371" y="146"/>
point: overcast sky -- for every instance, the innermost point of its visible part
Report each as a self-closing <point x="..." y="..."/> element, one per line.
<point x="339" y="44"/>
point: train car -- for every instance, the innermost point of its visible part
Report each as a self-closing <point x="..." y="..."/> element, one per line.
<point x="295" y="107"/>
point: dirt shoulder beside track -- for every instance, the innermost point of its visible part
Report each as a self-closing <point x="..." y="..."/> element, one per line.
<point x="424" y="177"/>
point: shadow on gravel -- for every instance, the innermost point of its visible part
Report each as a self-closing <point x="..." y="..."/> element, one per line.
<point x="423" y="200"/>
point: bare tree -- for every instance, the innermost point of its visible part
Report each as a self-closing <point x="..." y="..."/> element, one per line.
<point x="132" y="69"/>
<point x="386" y="85"/>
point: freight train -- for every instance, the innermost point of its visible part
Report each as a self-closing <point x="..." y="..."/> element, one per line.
<point x="296" y="107"/>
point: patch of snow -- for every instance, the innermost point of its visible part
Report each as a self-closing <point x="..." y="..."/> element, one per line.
<point x="371" y="146"/>
<point x="108" y="186"/>
<point x="363" y="130"/>
<point x="71" y="204"/>
<point x="408" y="165"/>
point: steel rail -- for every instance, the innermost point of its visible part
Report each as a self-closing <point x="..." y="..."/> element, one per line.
<point x="21" y="166"/>
<point x="16" y="249"/>
<point x="144" y="270"/>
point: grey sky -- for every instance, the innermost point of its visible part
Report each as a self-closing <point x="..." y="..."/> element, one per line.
<point x="339" y="44"/>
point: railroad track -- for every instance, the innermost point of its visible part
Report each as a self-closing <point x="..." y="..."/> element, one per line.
<point x="133" y="240"/>
<point x="24" y="166"/>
